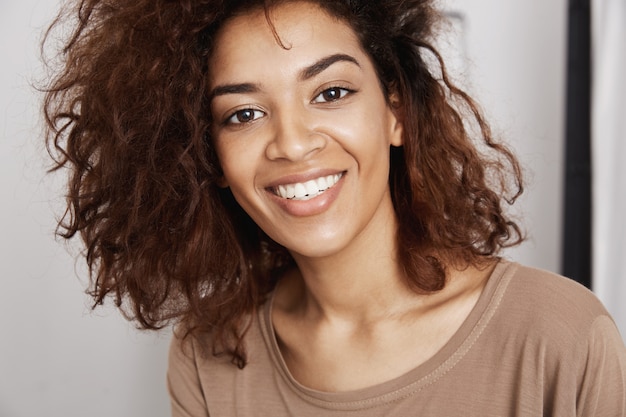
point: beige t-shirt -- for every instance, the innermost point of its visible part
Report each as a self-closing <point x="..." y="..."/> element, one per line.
<point x="535" y="344"/>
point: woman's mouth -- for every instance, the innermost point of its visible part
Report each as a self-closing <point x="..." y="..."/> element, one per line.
<point x="307" y="190"/>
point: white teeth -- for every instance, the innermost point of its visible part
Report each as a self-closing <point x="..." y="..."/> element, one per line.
<point x="291" y="191"/>
<point x="307" y="190"/>
<point x="300" y="190"/>
<point x="311" y="187"/>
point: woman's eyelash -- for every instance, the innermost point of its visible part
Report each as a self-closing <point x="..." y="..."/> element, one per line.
<point x="248" y="115"/>
<point x="244" y="116"/>
<point x="332" y="94"/>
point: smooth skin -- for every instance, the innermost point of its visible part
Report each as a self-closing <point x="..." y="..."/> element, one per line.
<point x="309" y="105"/>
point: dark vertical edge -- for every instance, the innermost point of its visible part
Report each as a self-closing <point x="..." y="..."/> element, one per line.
<point x="576" y="254"/>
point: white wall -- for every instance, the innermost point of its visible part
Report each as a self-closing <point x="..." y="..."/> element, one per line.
<point x="608" y="152"/>
<point x="58" y="359"/>
<point x="516" y="53"/>
<point x="515" y="67"/>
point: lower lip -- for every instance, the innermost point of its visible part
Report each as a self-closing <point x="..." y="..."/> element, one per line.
<point x="311" y="207"/>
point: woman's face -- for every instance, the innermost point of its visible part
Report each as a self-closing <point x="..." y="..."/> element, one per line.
<point x="302" y="128"/>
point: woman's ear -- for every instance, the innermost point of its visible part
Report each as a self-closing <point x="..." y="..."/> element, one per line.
<point x="222" y="182"/>
<point x="397" y="127"/>
<point x="220" y="178"/>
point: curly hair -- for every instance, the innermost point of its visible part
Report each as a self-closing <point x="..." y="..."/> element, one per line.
<point x="128" y="117"/>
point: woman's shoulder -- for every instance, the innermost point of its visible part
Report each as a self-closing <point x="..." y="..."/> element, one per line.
<point x="201" y="353"/>
<point x="200" y="377"/>
<point x="553" y="291"/>
<point x="549" y="303"/>
<point x="189" y="352"/>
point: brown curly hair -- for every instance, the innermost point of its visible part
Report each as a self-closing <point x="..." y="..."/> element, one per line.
<point x="128" y="116"/>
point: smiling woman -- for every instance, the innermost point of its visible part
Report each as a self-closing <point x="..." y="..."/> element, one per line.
<point x="323" y="115"/>
<point x="294" y="186"/>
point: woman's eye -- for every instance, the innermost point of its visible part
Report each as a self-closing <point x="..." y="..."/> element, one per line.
<point x="331" y="94"/>
<point x="244" y="116"/>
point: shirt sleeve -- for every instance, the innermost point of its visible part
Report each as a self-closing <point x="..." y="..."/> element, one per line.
<point x="603" y="390"/>
<point x="183" y="381"/>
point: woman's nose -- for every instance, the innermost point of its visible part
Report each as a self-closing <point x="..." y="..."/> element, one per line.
<point x="294" y="137"/>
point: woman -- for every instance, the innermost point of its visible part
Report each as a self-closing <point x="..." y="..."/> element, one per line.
<point x="296" y="187"/>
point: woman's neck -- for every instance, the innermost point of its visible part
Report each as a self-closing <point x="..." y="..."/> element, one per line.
<point x="362" y="282"/>
<point x="334" y="318"/>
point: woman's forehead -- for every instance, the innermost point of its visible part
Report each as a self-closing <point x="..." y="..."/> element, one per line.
<point x="296" y="31"/>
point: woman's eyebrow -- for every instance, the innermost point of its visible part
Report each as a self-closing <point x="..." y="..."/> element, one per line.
<point x="322" y="64"/>
<point x="305" y="74"/>
<point x="224" y="89"/>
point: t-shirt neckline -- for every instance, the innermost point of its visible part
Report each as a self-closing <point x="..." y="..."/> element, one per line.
<point x="414" y="380"/>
